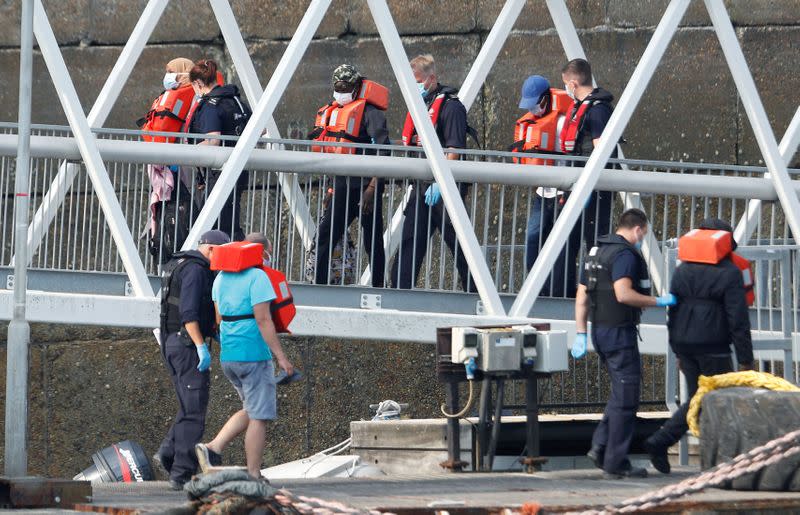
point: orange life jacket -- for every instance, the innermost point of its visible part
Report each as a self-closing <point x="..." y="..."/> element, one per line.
<point x="711" y="246"/>
<point x="168" y="113"/>
<point x="747" y="277"/>
<point x="241" y="255"/>
<point x="282" y="307"/>
<point x="534" y="133"/>
<point x="410" y="133"/>
<point x="335" y="123"/>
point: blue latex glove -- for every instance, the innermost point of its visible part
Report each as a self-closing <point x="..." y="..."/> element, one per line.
<point x="204" y="356"/>
<point x="579" y="347"/>
<point x="433" y="195"/>
<point x="666" y="300"/>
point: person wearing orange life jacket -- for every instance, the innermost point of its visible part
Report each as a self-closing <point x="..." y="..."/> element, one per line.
<point x="168" y="195"/>
<point x="711" y="315"/>
<point x="539" y="130"/>
<point x="424" y="209"/>
<point x="356" y="115"/>
<point x="582" y="128"/>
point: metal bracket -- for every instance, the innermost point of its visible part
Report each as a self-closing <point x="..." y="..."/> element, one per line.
<point x="479" y="309"/>
<point x="129" y="289"/>
<point x="370" y="301"/>
<point x="10" y="282"/>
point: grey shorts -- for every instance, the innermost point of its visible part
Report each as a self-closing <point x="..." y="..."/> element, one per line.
<point x="255" y="383"/>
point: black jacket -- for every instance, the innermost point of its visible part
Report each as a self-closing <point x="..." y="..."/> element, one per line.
<point x="711" y="312"/>
<point x="602" y="107"/>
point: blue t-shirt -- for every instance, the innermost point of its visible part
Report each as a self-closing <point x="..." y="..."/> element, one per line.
<point x="236" y="294"/>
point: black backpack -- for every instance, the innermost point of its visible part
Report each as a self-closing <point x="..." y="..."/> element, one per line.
<point x="235" y="115"/>
<point x="173" y="218"/>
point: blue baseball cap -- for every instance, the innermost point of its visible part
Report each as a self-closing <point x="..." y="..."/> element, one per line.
<point x="532" y="90"/>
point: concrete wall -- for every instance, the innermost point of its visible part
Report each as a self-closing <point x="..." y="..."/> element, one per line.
<point x="690" y="110"/>
<point x="91" y="387"/>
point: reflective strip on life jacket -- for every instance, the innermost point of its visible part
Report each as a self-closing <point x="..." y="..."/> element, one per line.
<point x="410" y="133"/>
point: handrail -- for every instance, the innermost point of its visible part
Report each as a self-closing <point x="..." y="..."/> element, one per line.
<point x="654" y="163"/>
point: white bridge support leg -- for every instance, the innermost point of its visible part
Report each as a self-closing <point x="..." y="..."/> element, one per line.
<point x="755" y="112"/>
<point x="788" y="146"/>
<point x="572" y="46"/>
<point x="467" y="94"/>
<point x="261" y="114"/>
<point x="435" y="156"/>
<point x="243" y="65"/>
<point x="65" y="90"/>
<point x="597" y="161"/>
<point x="119" y="74"/>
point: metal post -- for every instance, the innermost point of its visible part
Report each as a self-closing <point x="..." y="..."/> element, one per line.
<point x="252" y="90"/>
<point x="573" y="48"/>
<point x="467" y="94"/>
<point x="755" y="112"/>
<point x="453" y="428"/>
<point x="532" y="423"/>
<point x="683" y="445"/>
<point x="588" y="179"/>
<point x="19" y="331"/>
<point x="263" y="111"/>
<point x="435" y="156"/>
<point x="788" y="147"/>
<point x="91" y="156"/>
<point x="97" y="116"/>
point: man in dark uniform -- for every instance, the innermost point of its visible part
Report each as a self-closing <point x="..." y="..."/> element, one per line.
<point x="711" y="315"/>
<point x="588" y="120"/>
<point x="355" y="196"/>
<point x="614" y="288"/>
<point x="425" y="213"/>
<point x="187" y="320"/>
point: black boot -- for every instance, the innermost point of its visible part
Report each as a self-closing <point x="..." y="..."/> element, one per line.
<point x="658" y="454"/>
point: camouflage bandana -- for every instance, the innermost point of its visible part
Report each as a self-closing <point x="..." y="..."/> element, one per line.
<point x="346" y="73"/>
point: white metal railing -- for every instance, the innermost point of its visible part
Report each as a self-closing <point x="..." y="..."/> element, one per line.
<point x="79" y="239"/>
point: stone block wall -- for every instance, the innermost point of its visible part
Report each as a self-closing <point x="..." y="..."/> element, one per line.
<point x="690" y="110"/>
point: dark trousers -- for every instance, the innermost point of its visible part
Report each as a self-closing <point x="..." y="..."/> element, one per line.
<point x="229" y="220"/>
<point x="594" y="222"/>
<point x="421" y="221"/>
<point x="692" y="366"/>
<point x="341" y="210"/>
<point x="615" y="431"/>
<point x="191" y="388"/>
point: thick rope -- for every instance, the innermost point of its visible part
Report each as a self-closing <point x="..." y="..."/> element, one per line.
<point x="749" y="378"/>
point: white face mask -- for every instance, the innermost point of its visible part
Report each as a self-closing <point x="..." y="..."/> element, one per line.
<point x="537" y="111"/>
<point x="170" y="81"/>
<point x="343" y="98"/>
<point x="570" y="93"/>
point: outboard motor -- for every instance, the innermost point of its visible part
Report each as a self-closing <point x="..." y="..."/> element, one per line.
<point x="122" y="462"/>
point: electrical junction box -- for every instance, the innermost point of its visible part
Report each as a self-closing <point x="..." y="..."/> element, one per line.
<point x="464" y="344"/>
<point x="529" y="341"/>
<point x="551" y="352"/>
<point x="500" y="350"/>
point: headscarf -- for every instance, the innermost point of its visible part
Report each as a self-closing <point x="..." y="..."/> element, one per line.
<point x="181" y="66"/>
